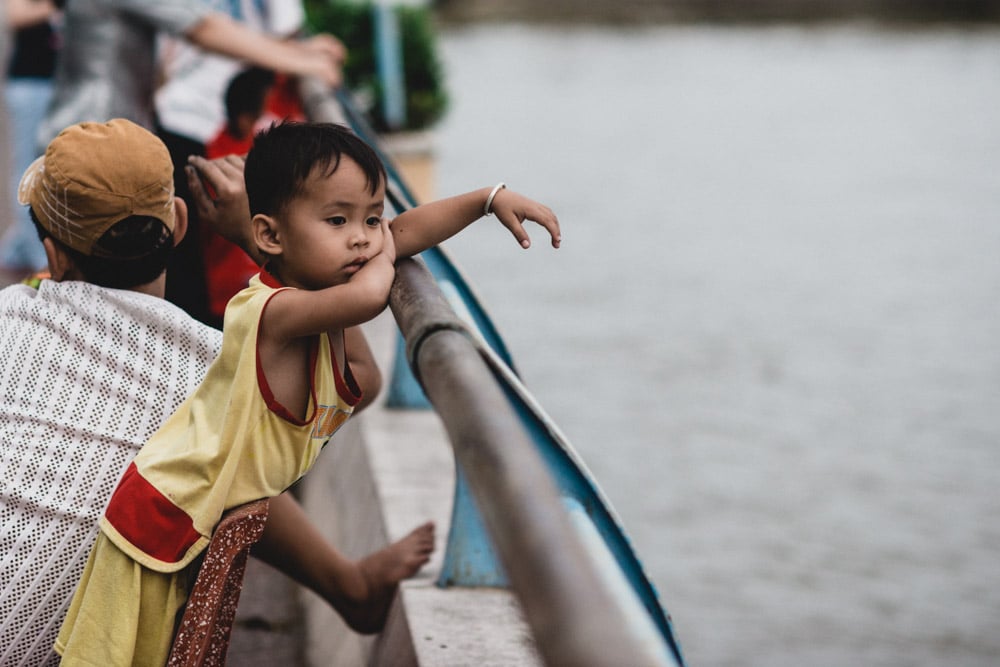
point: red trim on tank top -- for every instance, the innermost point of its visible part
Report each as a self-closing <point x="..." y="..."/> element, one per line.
<point x="272" y="403"/>
<point x="268" y="279"/>
<point x="265" y="389"/>
<point x="347" y="386"/>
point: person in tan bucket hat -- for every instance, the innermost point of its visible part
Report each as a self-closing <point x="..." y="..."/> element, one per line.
<point x="102" y="198"/>
<point x="89" y="373"/>
<point x="88" y="180"/>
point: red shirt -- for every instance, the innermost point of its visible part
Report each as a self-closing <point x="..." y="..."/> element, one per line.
<point x="227" y="268"/>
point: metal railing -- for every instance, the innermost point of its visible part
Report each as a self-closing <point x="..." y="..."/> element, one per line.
<point x="577" y="614"/>
<point x="573" y="616"/>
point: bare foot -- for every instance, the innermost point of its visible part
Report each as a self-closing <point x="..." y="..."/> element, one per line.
<point x="381" y="572"/>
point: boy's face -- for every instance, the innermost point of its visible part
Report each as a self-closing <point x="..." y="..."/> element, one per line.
<point x="332" y="228"/>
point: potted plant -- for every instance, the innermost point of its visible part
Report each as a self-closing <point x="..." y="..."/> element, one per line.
<point x="424" y="97"/>
<point x="353" y="23"/>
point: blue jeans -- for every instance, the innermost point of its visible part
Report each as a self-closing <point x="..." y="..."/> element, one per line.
<point x="27" y="102"/>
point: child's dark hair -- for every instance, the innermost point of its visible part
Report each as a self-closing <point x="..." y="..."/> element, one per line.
<point x="245" y="94"/>
<point x="284" y="155"/>
<point x="134" y="251"/>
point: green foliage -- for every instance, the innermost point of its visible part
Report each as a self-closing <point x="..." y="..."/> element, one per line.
<point x="352" y="22"/>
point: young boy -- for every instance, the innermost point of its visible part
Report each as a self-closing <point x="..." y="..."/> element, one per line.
<point x="281" y="386"/>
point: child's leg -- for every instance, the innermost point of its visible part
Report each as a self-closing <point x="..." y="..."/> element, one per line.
<point x="361" y="591"/>
<point x="121" y="613"/>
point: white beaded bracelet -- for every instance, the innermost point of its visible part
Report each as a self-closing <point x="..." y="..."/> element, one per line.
<point x="488" y="209"/>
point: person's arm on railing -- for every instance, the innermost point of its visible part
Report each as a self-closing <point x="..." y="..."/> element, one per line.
<point x="25" y="13"/>
<point x="321" y="56"/>
<point x="428" y="225"/>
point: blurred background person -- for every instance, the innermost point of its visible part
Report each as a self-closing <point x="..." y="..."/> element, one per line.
<point x="108" y="69"/>
<point x="228" y="268"/>
<point x="190" y="112"/>
<point x="109" y="64"/>
<point x="27" y="91"/>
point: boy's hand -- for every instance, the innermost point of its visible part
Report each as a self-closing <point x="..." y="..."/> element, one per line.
<point x="512" y="209"/>
<point x="388" y="243"/>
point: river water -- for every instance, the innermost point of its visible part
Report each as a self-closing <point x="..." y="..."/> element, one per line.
<point x="773" y="329"/>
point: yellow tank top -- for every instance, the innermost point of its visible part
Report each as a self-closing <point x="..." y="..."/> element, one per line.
<point x="229" y="443"/>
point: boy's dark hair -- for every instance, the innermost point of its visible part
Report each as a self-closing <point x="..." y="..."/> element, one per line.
<point x="246" y="93"/>
<point x="132" y="252"/>
<point x="284" y="155"/>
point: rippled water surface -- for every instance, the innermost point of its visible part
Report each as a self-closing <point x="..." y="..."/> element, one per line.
<point x="773" y="329"/>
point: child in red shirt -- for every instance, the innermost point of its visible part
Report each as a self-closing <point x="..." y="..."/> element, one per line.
<point x="227" y="268"/>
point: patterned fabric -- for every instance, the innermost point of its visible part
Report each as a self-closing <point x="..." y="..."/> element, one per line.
<point x="204" y="631"/>
<point x="88" y="374"/>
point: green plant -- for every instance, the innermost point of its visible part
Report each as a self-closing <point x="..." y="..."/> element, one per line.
<point x="353" y="23"/>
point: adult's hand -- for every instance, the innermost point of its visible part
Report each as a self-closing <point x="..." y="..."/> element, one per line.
<point x="220" y="33"/>
<point x="327" y="44"/>
<point x="219" y="196"/>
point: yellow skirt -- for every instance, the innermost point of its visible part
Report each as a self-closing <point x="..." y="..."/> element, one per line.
<point x="122" y="613"/>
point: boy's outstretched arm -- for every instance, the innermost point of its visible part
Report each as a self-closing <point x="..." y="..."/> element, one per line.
<point x="427" y="225"/>
<point x="414" y="231"/>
